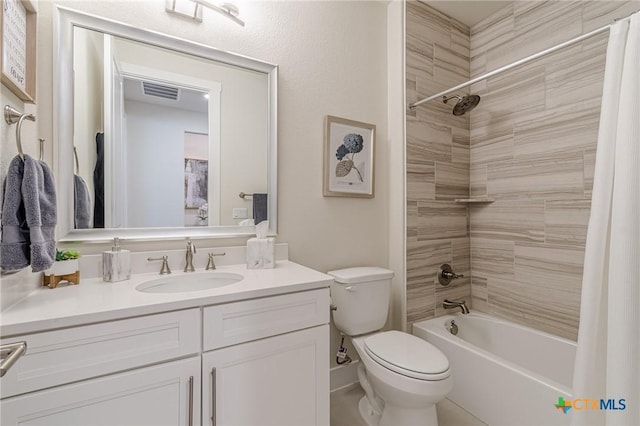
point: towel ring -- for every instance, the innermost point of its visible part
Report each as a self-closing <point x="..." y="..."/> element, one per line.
<point x="41" y="149"/>
<point x="11" y="116"/>
<point x="75" y="154"/>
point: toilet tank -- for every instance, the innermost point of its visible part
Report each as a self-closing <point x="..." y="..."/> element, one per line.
<point x="362" y="296"/>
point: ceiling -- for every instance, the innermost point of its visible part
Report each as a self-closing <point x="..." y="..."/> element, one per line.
<point x="469" y="12"/>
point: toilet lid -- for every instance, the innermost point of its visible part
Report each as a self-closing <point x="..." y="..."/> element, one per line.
<point x="408" y="355"/>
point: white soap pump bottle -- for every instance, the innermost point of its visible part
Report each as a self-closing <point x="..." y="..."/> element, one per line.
<point x="116" y="264"/>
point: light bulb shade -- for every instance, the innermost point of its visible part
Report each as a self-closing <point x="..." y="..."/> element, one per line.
<point x="184" y="8"/>
<point x="229" y="10"/>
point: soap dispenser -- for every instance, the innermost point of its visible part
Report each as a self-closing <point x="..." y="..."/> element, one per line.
<point x="116" y="264"/>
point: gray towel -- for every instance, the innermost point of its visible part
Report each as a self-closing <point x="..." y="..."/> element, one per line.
<point x="259" y="208"/>
<point x="14" y="248"/>
<point x="81" y="203"/>
<point x="39" y="197"/>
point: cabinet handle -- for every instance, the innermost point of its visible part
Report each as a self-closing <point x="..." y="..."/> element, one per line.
<point x="191" y="401"/>
<point x="213" y="396"/>
<point x="9" y="354"/>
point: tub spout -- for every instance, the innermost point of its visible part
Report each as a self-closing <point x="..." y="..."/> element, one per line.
<point x="448" y="304"/>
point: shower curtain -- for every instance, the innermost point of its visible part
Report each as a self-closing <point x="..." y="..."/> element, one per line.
<point x="608" y="355"/>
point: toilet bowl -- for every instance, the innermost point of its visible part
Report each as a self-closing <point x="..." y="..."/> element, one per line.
<point x="408" y="376"/>
<point x="403" y="376"/>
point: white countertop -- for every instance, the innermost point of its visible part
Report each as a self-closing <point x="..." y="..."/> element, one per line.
<point x="95" y="301"/>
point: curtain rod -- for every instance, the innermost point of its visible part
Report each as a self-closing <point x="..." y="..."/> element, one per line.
<point x="516" y="63"/>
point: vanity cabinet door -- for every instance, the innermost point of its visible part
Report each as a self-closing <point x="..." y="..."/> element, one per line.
<point x="166" y="394"/>
<point x="278" y="381"/>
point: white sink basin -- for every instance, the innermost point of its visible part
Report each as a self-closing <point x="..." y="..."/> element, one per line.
<point x="196" y="281"/>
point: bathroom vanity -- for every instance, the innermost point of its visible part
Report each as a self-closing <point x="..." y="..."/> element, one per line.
<point x="251" y="352"/>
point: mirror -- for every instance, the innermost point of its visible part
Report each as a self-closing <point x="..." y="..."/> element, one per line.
<point x="158" y="136"/>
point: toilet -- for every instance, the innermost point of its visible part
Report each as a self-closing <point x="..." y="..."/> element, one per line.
<point x="402" y="375"/>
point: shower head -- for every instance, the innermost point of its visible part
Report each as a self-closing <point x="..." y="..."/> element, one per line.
<point x="465" y="103"/>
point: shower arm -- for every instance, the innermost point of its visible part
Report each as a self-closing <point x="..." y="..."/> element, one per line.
<point x="445" y="99"/>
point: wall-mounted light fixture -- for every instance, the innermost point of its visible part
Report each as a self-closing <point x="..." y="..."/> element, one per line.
<point x="229" y="10"/>
<point x="192" y="9"/>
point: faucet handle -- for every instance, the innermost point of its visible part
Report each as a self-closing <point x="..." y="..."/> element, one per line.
<point x="191" y="246"/>
<point x="211" y="264"/>
<point x="164" y="269"/>
<point x="446" y="274"/>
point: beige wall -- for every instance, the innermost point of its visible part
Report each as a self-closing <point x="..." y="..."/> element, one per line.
<point x="333" y="60"/>
<point x="437" y="57"/>
<point x="533" y="141"/>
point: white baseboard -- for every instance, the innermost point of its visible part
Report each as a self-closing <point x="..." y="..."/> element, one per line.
<point x="344" y="375"/>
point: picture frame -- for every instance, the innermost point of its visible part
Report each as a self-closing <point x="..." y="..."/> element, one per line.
<point x="196" y="178"/>
<point x="349" y="158"/>
<point x="18" y="28"/>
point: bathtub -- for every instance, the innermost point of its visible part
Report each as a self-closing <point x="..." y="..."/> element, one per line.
<point x="504" y="373"/>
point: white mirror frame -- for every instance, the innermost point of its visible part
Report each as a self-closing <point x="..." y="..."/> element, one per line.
<point x="64" y="23"/>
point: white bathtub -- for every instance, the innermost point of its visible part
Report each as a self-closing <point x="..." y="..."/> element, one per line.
<point x="504" y="373"/>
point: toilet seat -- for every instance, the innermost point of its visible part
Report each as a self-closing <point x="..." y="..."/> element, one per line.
<point x="407" y="355"/>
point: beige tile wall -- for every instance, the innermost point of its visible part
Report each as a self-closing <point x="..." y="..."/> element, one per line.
<point x="532" y="149"/>
<point x="437" y="57"/>
<point x="530" y="145"/>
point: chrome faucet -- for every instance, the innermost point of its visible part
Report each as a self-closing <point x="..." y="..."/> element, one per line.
<point x="449" y="304"/>
<point x="191" y="249"/>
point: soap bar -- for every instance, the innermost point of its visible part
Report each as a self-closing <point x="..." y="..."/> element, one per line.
<point x="116" y="266"/>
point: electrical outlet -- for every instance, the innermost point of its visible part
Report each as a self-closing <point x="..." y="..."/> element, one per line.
<point x="240" y="213"/>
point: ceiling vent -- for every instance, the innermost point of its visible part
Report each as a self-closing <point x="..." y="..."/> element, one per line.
<point x="160" y="91"/>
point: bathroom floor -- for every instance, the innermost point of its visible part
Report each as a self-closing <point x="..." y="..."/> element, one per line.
<point x="344" y="410"/>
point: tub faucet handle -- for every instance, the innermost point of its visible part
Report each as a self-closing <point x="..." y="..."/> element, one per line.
<point x="446" y="274"/>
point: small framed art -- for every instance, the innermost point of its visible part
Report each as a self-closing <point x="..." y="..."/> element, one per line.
<point x="348" y="158"/>
<point x="196" y="179"/>
<point x="18" y="48"/>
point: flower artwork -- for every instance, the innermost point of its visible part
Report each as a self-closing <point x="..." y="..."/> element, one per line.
<point x="353" y="144"/>
<point x="348" y="158"/>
